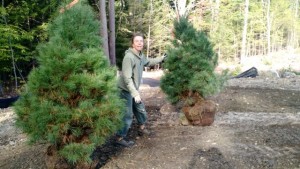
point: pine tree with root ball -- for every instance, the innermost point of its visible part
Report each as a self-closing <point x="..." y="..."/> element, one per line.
<point x="189" y="75"/>
<point x="71" y="99"/>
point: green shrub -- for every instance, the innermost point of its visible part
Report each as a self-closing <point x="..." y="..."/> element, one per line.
<point x="190" y="65"/>
<point x="71" y="100"/>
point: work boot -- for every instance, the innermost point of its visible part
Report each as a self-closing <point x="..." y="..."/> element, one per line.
<point x="143" y="132"/>
<point x="124" y="143"/>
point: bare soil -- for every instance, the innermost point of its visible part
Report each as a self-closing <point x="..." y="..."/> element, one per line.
<point x="257" y="126"/>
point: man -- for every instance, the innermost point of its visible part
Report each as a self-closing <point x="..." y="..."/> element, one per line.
<point x="129" y="82"/>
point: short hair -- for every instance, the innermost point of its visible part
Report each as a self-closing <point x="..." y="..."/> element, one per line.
<point x="135" y="35"/>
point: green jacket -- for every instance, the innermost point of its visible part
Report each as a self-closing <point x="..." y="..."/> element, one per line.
<point x="132" y="70"/>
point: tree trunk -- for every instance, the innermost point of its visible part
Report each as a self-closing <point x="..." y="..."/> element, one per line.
<point x="181" y="7"/>
<point x="295" y="40"/>
<point x="70" y="5"/>
<point x="268" y="28"/>
<point x="212" y="10"/>
<point x="112" y="33"/>
<point x="215" y="15"/>
<point x="149" y="28"/>
<point x="133" y="20"/>
<point x="244" y="40"/>
<point x="11" y="50"/>
<point x="217" y="9"/>
<point x="103" y="28"/>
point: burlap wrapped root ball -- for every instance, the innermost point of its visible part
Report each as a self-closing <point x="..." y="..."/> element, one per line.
<point x="202" y="113"/>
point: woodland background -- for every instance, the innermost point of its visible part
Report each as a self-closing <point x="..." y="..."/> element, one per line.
<point x="237" y="28"/>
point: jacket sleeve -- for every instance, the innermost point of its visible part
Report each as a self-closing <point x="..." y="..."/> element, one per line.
<point x="153" y="61"/>
<point x="127" y="69"/>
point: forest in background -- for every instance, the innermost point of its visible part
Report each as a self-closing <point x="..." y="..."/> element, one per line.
<point x="238" y="29"/>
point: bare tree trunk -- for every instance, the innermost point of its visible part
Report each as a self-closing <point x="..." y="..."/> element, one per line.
<point x="262" y="37"/>
<point x="268" y="28"/>
<point x="70" y="5"/>
<point x="103" y="20"/>
<point x="181" y="7"/>
<point x="217" y="19"/>
<point x="12" y="51"/>
<point x="120" y="19"/>
<point x="244" y="40"/>
<point x="133" y="21"/>
<point x="149" y="28"/>
<point x="148" y="40"/>
<point x="295" y="40"/>
<point x="215" y="15"/>
<point x="235" y="49"/>
<point x="176" y="10"/>
<point x="217" y="9"/>
<point x="112" y="33"/>
<point x="212" y="10"/>
<point x="248" y="49"/>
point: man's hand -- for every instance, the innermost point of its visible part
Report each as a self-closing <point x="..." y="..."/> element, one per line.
<point x="137" y="99"/>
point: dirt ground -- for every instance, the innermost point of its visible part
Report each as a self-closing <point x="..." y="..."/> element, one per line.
<point x="257" y="126"/>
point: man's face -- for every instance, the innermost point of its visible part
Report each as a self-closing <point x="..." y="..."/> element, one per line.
<point x="138" y="43"/>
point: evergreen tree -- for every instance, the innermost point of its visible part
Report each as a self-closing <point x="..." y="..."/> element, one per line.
<point x="190" y="65"/>
<point x="71" y="100"/>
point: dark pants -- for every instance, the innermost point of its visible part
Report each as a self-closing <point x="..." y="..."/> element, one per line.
<point x="132" y="108"/>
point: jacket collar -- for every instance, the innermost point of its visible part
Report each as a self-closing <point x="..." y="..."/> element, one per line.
<point x="139" y="55"/>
